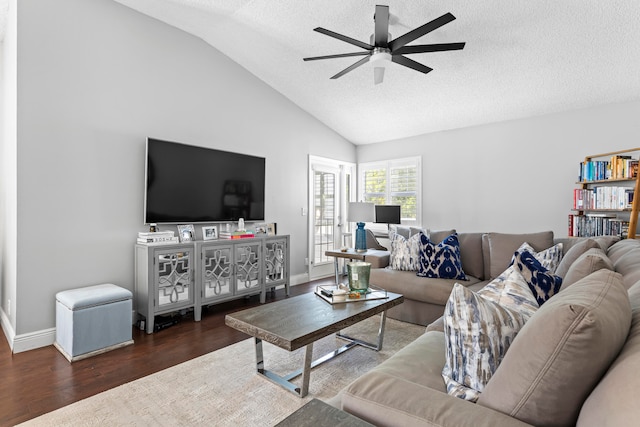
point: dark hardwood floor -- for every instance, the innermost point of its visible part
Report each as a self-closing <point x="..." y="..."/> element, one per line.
<point x="35" y="382"/>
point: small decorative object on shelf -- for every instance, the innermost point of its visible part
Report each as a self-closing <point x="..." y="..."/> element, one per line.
<point x="358" y="273"/>
<point x="210" y="232"/>
<point x="335" y="294"/>
<point x="272" y="229"/>
<point x="605" y="204"/>
<point x="260" y="228"/>
<point x="361" y="212"/>
<point x="156" y="237"/>
<point x="186" y="233"/>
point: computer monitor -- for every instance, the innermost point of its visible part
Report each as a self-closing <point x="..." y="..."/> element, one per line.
<point x="388" y="214"/>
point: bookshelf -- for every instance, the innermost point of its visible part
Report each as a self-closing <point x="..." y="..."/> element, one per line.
<point x="604" y="203"/>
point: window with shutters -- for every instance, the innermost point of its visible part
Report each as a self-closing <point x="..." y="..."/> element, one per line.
<point x="393" y="182"/>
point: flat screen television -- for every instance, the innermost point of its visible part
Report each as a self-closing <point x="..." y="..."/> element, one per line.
<point x="189" y="184"/>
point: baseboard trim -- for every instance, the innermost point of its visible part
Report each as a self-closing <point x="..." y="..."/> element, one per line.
<point x="26" y="342"/>
<point x="299" y="279"/>
<point x="33" y="340"/>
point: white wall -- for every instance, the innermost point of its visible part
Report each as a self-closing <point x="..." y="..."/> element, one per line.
<point x="515" y="176"/>
<point x="95" y="79"/>
<point x="8" y="163"/>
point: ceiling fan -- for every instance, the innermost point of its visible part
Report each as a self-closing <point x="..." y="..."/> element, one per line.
<point x="383" y="50"/>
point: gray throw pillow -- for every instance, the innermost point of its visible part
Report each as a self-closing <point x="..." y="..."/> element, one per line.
<point x="589" y="262"/>
<point x="573" y="253"/>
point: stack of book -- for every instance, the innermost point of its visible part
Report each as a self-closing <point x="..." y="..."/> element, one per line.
<point x="157" y="237"/>
<point x="236" y="234"/>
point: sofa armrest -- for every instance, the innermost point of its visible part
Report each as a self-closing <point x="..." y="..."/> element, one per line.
<point x="378" y="259"/>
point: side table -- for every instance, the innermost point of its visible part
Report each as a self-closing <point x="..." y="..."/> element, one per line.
<point x="348" y="254"/>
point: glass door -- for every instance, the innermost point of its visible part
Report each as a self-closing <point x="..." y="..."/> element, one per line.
<point x="330" y="190"/>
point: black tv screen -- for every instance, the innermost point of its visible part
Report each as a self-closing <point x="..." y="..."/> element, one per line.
<point x="189" y="184"/>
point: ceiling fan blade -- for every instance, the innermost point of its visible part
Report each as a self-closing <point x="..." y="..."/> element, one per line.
<point x="344" y="38"/>
<point x="340" y="55"/>
<point x="378" y="75"/>
<point x="424" y="48"/>
<point x="381" y="18"/>
<point x="420" y="31"/>
<point x="352" y="67"/>
<point x="403" y="60"/>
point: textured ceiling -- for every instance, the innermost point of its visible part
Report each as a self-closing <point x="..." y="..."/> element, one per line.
<point x="521" y="59"/>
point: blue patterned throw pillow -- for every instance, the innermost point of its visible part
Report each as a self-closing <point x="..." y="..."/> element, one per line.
<point x="542" y="283"/>
<point x="440" y="260"/>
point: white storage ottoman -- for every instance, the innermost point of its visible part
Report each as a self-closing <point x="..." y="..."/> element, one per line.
<point x="93" y="320"/>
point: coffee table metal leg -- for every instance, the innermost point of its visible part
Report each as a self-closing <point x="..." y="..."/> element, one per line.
<point x="378" y="345"/>
<point x="284" y="382"/>
<point x="303" y="390"/>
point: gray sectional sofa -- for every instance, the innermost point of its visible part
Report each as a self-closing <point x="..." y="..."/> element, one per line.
<point x="575" y="361"/>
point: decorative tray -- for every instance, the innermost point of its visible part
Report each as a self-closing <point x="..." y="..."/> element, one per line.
<point x="326" y="293"/>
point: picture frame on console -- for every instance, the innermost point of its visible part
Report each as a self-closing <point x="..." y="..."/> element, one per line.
<point x="272" y="229"/>
<point x="210" y="232"/>
<point x="261" y="228"/>
<point x="186" y="233"/>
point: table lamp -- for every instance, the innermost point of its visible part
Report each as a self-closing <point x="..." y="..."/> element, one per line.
<point x="361" y="212"/>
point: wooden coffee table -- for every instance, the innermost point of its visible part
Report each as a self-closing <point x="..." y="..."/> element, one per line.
<point x="296" y="322"/>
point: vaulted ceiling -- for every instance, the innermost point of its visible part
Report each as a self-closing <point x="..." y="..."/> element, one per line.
<point x="521" y="59"/>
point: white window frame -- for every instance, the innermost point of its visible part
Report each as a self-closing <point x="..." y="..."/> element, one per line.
<point x="388" y="165"/>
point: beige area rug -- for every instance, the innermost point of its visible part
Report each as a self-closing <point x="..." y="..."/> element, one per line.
<point x="223" y="389"/>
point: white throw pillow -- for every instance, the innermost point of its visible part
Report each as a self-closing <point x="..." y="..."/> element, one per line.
<point x="404" y="254"/>
<point x="478" y="333"/>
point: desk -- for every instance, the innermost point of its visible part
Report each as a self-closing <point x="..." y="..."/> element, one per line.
<point x="348" y="254"/>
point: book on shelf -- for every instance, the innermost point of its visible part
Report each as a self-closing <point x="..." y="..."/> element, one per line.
<point x="604" y="197"/>
<point x="156" y="237"/>
<point x="236" y="234"/>
<point x="617" y="167"/>
<point x="593" y="225"/>
<point x="153" y="234"/>
<point x="167" y="239"/>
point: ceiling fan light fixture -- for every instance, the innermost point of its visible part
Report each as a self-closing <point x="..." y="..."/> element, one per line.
<point x="380" y="56"/>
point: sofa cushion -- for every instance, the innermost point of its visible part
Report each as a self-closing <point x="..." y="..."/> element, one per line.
<point x="592" y="260"/>
<point x="542" y="282"/>
<point x="401" y="230"/>
<point x="440" y="260"/>
<point x="562" y="352"/>
<point x="620" y="248"/>
<point x="500" y="248"/>
<point x="614" y="401"/>
<point x="439" y="235"/>
<point x="629" y="266"/>
<point x="573" y="253"/>
<point x="478" y="333"/>
<point x="471" y="254"/>
<point x="404" y="255"/>
<point x="425" y="289"/>
<point x="392" y="394"/>
<point x="512" y="291"/>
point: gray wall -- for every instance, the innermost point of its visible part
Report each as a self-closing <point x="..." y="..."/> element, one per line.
<point x="514" y="176"/>
<point x="95" y="79"/>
